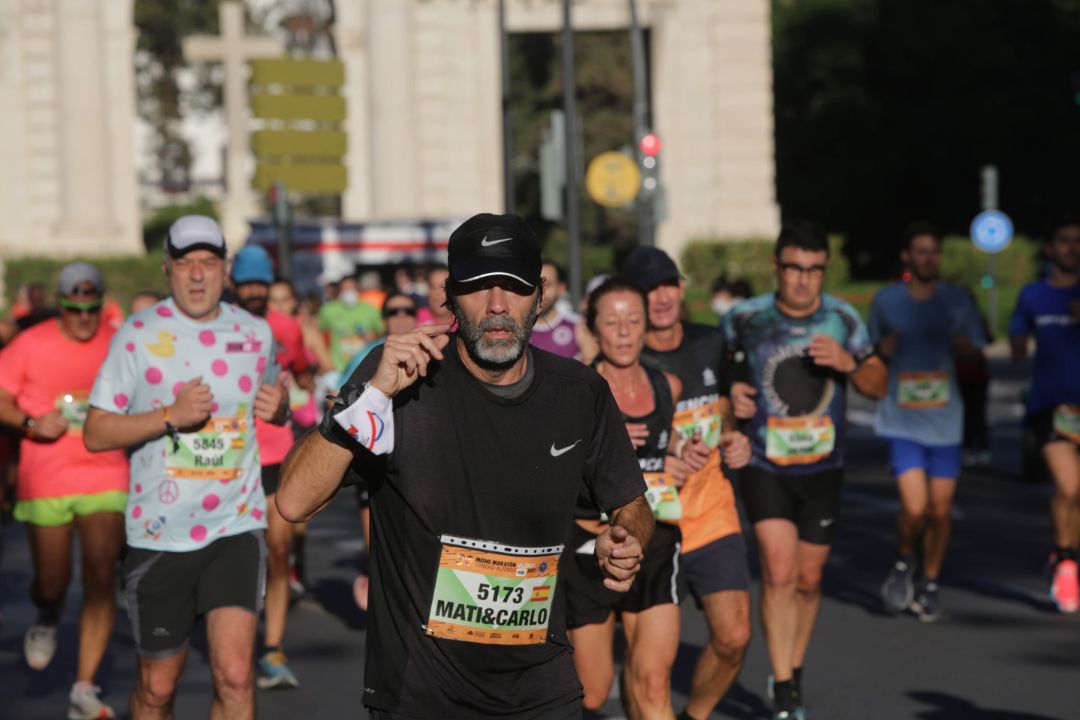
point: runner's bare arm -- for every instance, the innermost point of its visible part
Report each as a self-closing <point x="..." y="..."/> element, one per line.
<point x="620" y="548"/>
<point x="1019" y="346"/>
<point x="46" y="428"/>
<point x="106" y="430"/>
<point x="871" y="378"/>
<point x="310" y="476"/>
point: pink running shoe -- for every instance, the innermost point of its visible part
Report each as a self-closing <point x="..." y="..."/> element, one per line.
<point x="1065" y="589"/>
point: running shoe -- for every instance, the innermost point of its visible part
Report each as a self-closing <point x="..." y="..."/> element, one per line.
<point x="1065" y="589"/>
<point x="927" y="603"/>
<point x="296" y="586"/>
<point x="273" y="672"/>
<point x="85" y="704"/>
<point x="39" y="646"/>
<point x="898" y="590"/>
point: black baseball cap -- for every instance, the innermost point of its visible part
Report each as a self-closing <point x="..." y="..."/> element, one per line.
<point x="647" y="266"/>
<point x="194" y="232"/>
<point x="487" y="245"/>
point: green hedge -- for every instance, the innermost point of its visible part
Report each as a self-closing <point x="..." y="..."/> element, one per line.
<point x="124" y="275"/>
<point x="705" y="260"/>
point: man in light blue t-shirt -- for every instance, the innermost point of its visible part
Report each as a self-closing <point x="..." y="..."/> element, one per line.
<point x="918" y="325"/>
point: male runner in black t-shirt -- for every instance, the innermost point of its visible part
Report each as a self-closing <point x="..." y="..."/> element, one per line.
<point x="475" y="448"/>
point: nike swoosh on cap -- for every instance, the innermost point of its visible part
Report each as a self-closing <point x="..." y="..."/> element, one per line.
<point x="488" y="243"/>
<point x="556" y="452"/>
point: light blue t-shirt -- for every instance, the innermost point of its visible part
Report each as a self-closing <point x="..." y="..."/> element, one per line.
<point x="206" y="485"/>
<point x="924" y="403"/>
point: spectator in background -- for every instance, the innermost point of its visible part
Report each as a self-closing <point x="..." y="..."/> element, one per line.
<point x="252" y="275"/>
<point x="726" y="295"/>
<point x="405" y="283"/>
<point x="350" y="322"/>
<point x="371" y="290"/>
<point x="436" y="312"/>
<point x="144" y="299"/>
<point x="555" y="331"/>
<point x="37" y="308"/>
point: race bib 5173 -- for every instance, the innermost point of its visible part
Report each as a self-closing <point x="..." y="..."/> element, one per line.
<point x="493" y="594"/>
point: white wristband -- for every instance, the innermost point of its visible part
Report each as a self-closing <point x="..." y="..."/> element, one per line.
<point x="370" y="421"/>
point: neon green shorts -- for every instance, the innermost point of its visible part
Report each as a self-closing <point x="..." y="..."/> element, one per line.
<point x="53" y="512"/>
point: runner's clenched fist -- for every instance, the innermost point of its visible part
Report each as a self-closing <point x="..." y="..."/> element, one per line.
<point x="405" y="358"/>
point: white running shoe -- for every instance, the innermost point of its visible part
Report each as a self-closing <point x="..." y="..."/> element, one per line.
<point x="85" y="704"/>
<point x="39" y="646"/>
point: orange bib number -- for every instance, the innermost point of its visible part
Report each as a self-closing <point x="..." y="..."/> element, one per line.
<point x="214" y="452"/>
<point x="663" y="497"/>
<point x="922" y="390"/>
<point x="799" y="440"/>
<point x="704" y="421"/>
<point x="1067" y="422"/>
<point x="493" y="594"/>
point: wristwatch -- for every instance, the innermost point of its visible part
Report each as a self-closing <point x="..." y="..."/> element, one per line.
<point x="28" y="424"/>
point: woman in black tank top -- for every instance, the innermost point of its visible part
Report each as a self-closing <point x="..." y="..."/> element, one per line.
<point x="649" y="612"/>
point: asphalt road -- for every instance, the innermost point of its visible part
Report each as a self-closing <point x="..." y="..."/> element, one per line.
<point x="1001" y="652"/>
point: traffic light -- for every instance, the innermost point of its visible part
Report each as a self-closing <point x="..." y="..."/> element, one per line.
<point x="649" y="149"/>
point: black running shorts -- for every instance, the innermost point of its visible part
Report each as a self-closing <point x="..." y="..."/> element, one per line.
<point x="167" y="591"/>
<point x="1041" y="423"/>
<point x="720" y="565"/>
<point x="809" y="501"/>
<point x="588" y="602"/>
<point x="271" y="478"/>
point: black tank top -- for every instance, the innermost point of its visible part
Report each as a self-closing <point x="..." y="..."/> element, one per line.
<point x="650" y="455"/>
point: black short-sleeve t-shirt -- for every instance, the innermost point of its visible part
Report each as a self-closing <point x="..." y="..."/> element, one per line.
<point x="469" y="464"/>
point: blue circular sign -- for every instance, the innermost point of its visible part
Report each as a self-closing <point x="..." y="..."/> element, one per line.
<point x="991" y="231"/>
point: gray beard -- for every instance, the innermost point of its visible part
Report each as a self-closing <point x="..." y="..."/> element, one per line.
<point x="496" y="354"/>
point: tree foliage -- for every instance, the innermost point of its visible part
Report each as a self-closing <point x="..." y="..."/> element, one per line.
<point x="161" y="101"/>
<point x="887" y="109"/>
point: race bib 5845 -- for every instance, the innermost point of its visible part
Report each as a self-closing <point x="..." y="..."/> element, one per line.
<point x="214" y="452"/>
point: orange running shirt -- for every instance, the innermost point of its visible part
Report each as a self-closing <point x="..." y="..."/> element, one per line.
<point x="708" y="500"/>
<point x="45" y="370"/>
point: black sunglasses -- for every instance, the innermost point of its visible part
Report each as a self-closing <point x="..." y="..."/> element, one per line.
<point x="81" y="307"/>
<point x="390" y="312"/>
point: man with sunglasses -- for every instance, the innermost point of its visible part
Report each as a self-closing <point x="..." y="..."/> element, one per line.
<point x="476" y="448"/>
<point x="713" y="561"/>
<point x="182" y="385"/>
<point x="795" y="351"/>
<point x="252" y="275"/>
<point x="45" y="379"/>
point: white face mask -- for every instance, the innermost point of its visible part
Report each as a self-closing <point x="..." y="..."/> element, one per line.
<point x="349" y="297"/>
<point x="720" y="306"/>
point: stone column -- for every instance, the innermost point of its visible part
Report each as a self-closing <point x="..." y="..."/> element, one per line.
<point x="352" y="31"/>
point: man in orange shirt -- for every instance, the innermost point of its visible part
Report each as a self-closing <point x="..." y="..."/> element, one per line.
<point x="713" y="557"/>
<point x="45" y="379"/>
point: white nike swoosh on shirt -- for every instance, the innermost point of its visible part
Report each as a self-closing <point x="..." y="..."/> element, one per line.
<point x="826" y="522"/>
<point x="488" y="243"/>
<point x="556" y="452"/>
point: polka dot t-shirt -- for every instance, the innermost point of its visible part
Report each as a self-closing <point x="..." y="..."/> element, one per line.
<point x="183" y="495"/>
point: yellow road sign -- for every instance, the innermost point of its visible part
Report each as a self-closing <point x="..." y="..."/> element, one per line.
<point x="612" y="179"/>
<point x="300" y="72"/>
<point x="299" y="143"/>
<point x="314" y="178"/>
<point x="324" y="108"/>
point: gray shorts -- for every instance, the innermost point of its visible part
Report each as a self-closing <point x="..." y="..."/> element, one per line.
<point x="720" y="565"/>
<point x="167" y="591"/>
